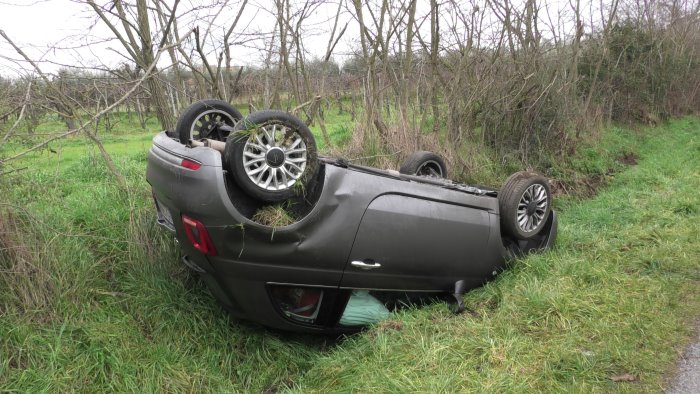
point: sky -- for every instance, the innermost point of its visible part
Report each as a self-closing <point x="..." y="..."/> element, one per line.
<point x="55" y="32"/>
<point x="36" y="26"/>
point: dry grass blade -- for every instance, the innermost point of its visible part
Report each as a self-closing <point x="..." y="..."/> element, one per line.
<point x="25" y="284"/>
<point x="627" y="377"/>
<point x="273" y="216"/>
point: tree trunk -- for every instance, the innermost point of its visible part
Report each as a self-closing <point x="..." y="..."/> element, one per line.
<point x="434" y="42"/>
<point x="156" y="86"/>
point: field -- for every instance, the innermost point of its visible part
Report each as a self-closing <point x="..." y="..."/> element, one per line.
<point x="93" y="298"/>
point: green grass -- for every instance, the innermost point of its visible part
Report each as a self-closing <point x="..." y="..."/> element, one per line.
<point x="114" y="124"/>
<point x="126" y="128"/>
<point x="274" y="216"/>
<point x="614" y="297"/>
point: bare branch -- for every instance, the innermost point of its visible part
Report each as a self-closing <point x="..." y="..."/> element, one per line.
<point x="146" y="75"/>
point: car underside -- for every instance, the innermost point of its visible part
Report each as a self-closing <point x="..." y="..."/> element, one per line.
<point x="364" y="241"/>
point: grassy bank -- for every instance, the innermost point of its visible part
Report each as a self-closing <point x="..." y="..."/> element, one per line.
<point x="116" y="310"/>
<point x="614" y="298"/>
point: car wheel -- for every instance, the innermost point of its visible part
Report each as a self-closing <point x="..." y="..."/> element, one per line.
<point x="200" y="120"/>
<point x="272" y="155"/>
<point x="424" y="163"/>
<point x="525" y="201"/>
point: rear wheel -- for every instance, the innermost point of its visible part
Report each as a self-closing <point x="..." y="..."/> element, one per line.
<point x="525" y="201"/>
<point x="424" y="163"/>
<point x="272" y="156"/>
<point x="203" y="118"/>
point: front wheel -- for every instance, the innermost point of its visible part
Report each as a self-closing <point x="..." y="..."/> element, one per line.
<point x="525" y="201"/>
<point x="272" y="155"/>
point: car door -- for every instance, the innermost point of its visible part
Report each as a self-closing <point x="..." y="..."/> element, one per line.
<point x="411" y="243"/>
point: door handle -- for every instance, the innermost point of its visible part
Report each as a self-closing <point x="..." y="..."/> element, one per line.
<point x="369" y="265"/>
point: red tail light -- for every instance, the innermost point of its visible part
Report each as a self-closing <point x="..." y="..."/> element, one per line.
<point x="198" y="235"/>
<point x="189" y="164"/>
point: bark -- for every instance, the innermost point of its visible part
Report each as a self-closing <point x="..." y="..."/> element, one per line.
<point x="434" y="48"/>
<point x="156" y="86"/>
<point x="373" y="94"/>
<point x="406" y="76"/>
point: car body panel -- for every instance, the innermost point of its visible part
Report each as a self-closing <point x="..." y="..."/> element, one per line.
<point x="447" y="241"/>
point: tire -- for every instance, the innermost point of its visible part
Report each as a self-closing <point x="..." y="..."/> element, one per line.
<point x="527" y="196"/>
<point x="199" y="120"/>
<point x="424" y="163"/>
<point x="272" y="172"/>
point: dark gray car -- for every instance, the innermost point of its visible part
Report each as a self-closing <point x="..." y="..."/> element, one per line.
<point x="364" y="238"/>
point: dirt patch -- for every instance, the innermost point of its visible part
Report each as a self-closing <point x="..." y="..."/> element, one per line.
<point x="587" y="186"/>
<point x="390" y="325"/>
<point x="628" y="159"/>
<point x="18" y="362"/>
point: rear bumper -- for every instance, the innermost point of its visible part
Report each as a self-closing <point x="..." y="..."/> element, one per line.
<point x="251" y="300"/>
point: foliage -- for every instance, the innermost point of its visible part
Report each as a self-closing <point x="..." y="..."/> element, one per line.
<point x="274" y="216"/>
<point x="93" y="297"/>
<point x="645" y="74"/>
<point x="612" y="298"/>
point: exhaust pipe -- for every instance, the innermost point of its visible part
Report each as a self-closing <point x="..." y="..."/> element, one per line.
<point x="214" y="144"/>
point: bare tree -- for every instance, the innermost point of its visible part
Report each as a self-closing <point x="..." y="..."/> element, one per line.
<point x="141" y="51"/>
<point x="372" y="47"/>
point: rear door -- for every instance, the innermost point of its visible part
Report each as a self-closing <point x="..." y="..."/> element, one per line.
<point x="410" y="243"/>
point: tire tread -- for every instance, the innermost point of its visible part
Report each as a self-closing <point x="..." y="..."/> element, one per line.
<point x="184" y="122"/>
<point x="509" y="197"/>
<point x="413" y="162"/>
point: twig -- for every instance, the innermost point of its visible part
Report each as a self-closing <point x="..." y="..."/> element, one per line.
<point x="128" y="94"/>
<point x="10" y="112"/>
<point x="375" y="156"/>
<point x="306" y="104"/>
<point x="15" y="170"/>
<point x="21" y="113"/>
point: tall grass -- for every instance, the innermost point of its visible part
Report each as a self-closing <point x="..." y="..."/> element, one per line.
<point x="116" y="310"/>
<point x="617" y="296"/>
<point x="24" y="269"/>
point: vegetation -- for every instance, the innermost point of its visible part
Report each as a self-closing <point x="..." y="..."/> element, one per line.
<point x="112" y="309"/>
<point x="274" y="216"/>
<point x="517" y="84"/>
<point x="611" y="299"/>
<point x="91" y="292"/>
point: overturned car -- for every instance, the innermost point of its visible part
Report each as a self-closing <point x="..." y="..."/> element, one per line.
<point x="362" y="240"/>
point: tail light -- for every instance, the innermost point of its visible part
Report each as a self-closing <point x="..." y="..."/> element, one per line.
<point x="298" y="303"/>
<point x="198" y="235"/>
<point x="189" y="164"/>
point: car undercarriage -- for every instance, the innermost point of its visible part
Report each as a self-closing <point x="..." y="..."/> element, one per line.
<point x="364" y="240"/>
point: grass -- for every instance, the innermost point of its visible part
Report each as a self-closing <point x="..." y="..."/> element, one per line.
<point x="115" y="124"/>
<point x="121" y="123"/>
<point x="274" y="215"/>
<point x="614" y="297"/>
